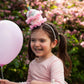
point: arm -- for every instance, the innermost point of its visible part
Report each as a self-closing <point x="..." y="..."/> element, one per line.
<point x="4" y="81"/>
<point x="39" y="82"/>
<point x="57" y="72"/>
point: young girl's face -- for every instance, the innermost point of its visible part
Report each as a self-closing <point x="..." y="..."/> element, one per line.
<point x="40" y="43"/>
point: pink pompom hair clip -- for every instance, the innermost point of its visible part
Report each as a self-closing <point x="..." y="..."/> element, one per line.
<point x="34" y="17"/>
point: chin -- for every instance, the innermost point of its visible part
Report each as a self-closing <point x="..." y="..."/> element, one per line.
<point x="39" y="55"/>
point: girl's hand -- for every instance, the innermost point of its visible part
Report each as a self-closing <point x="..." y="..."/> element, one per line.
<point x="4" y="81"/>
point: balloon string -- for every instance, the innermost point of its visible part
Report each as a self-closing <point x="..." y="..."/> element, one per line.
<point x="27" y="2"/>
<point x="2" y="72"/>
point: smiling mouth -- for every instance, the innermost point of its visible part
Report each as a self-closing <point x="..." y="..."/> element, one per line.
<point x="38" y="50"/>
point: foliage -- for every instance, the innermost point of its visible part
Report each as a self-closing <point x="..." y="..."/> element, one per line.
<point x="68" y="16"/>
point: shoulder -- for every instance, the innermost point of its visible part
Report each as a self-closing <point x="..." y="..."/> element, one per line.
<point x="56" y="60"/>
<point x="56" y="63"/>
<point x="32" y="62"/>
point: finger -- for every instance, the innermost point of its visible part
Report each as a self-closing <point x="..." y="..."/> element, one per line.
<point x="2" y="81"/>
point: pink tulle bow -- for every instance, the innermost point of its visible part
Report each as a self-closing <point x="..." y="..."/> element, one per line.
<point x="34" y="18"/>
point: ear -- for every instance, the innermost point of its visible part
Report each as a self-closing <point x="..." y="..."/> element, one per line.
<point x="54" y="43"/>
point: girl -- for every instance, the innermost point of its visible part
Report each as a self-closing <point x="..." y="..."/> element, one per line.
<point x="45" y="66"/>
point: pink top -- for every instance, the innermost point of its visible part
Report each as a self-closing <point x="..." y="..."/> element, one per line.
<point x="51" y="68"/>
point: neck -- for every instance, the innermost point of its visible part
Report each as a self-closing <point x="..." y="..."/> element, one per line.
<point x="45" y="57"/>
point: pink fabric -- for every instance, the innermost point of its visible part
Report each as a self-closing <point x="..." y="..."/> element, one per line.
<point x="34" y="18"/>
<point x="52" y="68"/>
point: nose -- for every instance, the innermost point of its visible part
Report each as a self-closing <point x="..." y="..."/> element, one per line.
<point x="37" y="43"/>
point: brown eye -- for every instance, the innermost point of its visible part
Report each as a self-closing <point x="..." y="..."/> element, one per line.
<point x="33" y="40"/>
<point x="42" y="40"/>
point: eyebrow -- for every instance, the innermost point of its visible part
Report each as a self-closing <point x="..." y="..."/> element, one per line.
<point x="39" y="38"/>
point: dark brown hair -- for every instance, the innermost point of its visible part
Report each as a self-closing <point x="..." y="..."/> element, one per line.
<point x="62" y="51"/>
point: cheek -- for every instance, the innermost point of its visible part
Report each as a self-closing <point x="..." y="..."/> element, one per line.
<point x="47" y="45"/>
<point x="31" y="45"/>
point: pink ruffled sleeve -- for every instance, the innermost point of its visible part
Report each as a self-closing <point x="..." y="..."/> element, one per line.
<point x="57" y="72"/>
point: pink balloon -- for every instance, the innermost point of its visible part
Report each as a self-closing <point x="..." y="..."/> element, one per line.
<point x="11" y="41"/>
